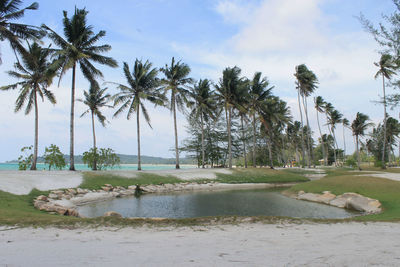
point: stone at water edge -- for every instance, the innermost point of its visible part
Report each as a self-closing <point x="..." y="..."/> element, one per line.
<point x="112" y="214"/>
<point x="42" y="198"/>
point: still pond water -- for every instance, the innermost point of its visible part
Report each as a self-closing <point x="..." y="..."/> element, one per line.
<point x="200" y="204"/>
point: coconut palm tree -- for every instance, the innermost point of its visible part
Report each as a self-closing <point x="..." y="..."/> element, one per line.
<point x="78" y="48"/>
<point x="359" y="126"/>
<point x="334" y="118"/>
<point x="227" y="91"/>
<point x="259" y="91"/>
<point x="345" y="124"/>
<point x="142" y="86"/>
<point x="306" y="82"/>
<point x="14" y="32"/>
<point x="176" y="82"/>
<point x="95" y="99"/>
<point x="319" y="107"/>
<point x="203" y="107"/>
<point x="387" y="68"/>
<point x="36" y="75"/>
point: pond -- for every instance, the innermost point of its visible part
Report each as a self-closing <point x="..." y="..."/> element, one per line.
<point x="217" y="203"/>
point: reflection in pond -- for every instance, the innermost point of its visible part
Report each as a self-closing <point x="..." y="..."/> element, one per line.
<point x="199" y="204"/>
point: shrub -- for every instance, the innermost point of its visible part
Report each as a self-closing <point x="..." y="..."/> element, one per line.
<point x="104" y="157"/>
<point x="25" y="160"/>
<point x="53" y="157"/>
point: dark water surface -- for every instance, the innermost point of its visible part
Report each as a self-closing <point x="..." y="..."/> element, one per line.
<point x="199" y="204"/>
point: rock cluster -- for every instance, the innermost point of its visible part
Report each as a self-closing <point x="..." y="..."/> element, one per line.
<point x="347" y="200"/>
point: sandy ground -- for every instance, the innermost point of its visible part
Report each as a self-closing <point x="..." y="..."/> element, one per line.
<point x="387" y="175"/>
<point x="352" y="244"/>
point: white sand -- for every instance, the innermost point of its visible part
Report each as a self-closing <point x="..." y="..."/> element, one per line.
<point x="22" y="182"/>
<point x="386" y="175"/>
<point x="351" y="244"/>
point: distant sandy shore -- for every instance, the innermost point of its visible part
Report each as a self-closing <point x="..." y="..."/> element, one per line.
<point x="347" y="244"/>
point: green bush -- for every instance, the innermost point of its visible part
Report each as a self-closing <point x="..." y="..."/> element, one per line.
<point x="25" y="160"/>
<point x="103" y="158"/>
<point x="53" y="157"/>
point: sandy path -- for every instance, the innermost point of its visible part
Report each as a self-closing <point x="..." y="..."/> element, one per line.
<point x="352" y="244"/>
<point x="386" y="175"/>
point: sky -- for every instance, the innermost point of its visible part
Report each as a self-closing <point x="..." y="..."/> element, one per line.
<point x="271" y="36"/>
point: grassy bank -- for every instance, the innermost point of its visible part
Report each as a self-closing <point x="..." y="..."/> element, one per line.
<point x="386" y="191"/>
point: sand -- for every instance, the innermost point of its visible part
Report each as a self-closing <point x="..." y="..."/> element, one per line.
<point x="347" y="244"/>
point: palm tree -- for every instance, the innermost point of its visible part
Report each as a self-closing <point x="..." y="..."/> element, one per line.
<point x="37" y="75"/>
<point x="203" y="107"/>
<point x="227" y="91"/>
<point x="345" y="124"/>
<point x="319" y="107"/>
<point x="258" y="93"/>
<point x="334" y="118"/>
<point x="14" y="32"/>
<point x="78" y="49"/>
<point x="359" y="126"/>
<point x="387" y="68"/>
<point x="176" y="81"/>
<point x="95" y="99"/>
<point x="306" y="84"/>
<point x="142" y="86"/>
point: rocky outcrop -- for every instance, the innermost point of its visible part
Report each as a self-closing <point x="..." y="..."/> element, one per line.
<point x="347" y="200"/>
<point x="112" y="214"/>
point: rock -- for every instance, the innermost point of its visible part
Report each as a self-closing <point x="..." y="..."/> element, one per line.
<point x="80" y="191"/>
<point x="327" y="197"/>
<point x="108" y="185"/>
<point x="61" y="210"/>
<point x="132" y="187"/>
<point x="54" y="196"/>
<point x="361" y="203"/>
<point x="310" y="197"/>
<point x="42" y="198"/>
<point x="57" y="192"/>
<point x="339" y="202"/>
<point x="301" y="193"/>
<point x="106" y="189"/>
<point x="112" y="214"/>
<point x="72" y="212"/>
<point x="71" y="191"/>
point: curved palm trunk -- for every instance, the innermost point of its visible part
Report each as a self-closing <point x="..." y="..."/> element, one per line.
<point x="244" y="144"/>
<point x="203" y="156"/>
<point x="358" y="154"/>
<point x="309" y="149"/>
<point x="302" y="134"/>
<point x="71" y="125"/>
<point x="254" y="140"/>
<point x="35" y="146"/>
<point x="176" y="131"/>
<point x="229" y="139"/>
<point x="322" y="140"/>
<point x="384" y="124"/>
<point x="271" y="162"/>
<point x="334" y="147"/>
<point x="139" y="164"/>
<point x="94" y="144"/>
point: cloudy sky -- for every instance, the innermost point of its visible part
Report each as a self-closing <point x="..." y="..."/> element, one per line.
<point x="271" y="36"/>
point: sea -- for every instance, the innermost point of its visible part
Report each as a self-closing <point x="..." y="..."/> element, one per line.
<point x="83" y="167"/>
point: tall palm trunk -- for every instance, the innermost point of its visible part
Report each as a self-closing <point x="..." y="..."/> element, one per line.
<point x="229" y="138"/>
<point x="310" y="151"/>
<point x="71" y="126"/>
<point x="203" y="157"/>
<point x="335" y="146"/>
<point x="176" y="130"/>
<point x="322" y="140"/>
<point x="384" y="124"/>
<point x="94" y="144"/>
<point x="244" y="143"/>
<point x="271" y="162"/>
<point x="358" y="154"/>
<point x="254" y="140"/>
<point x="35" y="146"/>
<point x="302" y="134"/>
<point x="344" y="147"/>
<point x="139" y="166"/>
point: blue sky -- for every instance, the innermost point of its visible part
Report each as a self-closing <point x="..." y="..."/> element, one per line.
<point x="272" y="36"/>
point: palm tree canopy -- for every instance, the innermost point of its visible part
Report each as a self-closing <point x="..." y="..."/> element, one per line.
<point x="176" y="80"/>
<point x="78" y="46"/>
<point x="95" y="99"/>
<point x="387" y="67"/>
<point x="360" y="124"/>
<point x="259" y="91"/>
<point x="204" y="102"/>
<point x="142" y="85"/>
<point x="230" y="87"/>
<point x="328" y="107"/>
<point x="334" y="118"/>
<point x="319" y="104"/>
<point x="14" y="32"/>
<point x="306" y="80"/>
<point x="345" y="122"/>
<point x="36" y="73"/>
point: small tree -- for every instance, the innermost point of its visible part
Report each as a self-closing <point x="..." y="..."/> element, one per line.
<point x="25" y="160"/>
<point x="54" y="157"/>
<point x="104" y="158"/>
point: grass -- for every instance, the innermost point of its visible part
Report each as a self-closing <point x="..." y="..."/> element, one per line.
<point x="386" y="191"/>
